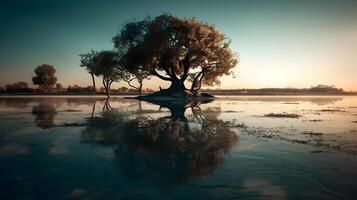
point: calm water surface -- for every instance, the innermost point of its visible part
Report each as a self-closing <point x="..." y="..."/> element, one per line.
<point x="231" y="148"/>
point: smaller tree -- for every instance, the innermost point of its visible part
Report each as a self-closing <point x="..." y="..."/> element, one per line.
<point x="123" y="89"/>
<point x="139" y="76"/>
<point x="107" y="66"/>
<point x="45" y="77"/>
<point x="88" y="62"/>
<point x="59" y="87"/>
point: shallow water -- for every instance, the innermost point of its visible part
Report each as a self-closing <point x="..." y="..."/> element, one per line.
<point x="231" y="148"/>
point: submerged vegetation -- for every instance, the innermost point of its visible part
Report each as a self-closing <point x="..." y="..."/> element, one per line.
<point x="282" y="115"/>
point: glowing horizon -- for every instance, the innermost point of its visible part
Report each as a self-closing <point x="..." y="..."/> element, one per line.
<point x="281" y="44"/>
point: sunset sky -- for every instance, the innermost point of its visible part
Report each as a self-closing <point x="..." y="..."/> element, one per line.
<point x="280" y="43"/>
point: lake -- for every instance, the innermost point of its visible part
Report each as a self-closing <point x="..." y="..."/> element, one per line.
<point x="238" y="147"/>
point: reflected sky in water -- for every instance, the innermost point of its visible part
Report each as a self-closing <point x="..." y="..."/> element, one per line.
<point x="91" y="148"/>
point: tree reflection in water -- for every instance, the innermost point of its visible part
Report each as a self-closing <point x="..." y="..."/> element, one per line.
<point x="45" y="114"/>
<point x="175" y="148"/>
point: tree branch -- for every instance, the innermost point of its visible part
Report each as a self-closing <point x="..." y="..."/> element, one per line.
<point x="129" y="83"/>
<point x="154" y="72"/>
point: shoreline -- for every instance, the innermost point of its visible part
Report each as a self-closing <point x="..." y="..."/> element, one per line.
<point x="217" y="95"/>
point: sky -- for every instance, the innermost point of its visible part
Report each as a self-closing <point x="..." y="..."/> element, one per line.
<point x="280" y="43"/>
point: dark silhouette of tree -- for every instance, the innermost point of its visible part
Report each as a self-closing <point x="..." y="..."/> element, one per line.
<point x="59" y="87"/>
<point x="123" y="89"/>
<point x="2" y="89"/>
<point x="45" y="77"/>
<point x="175" y="49"/>
<point x="107" y="66"/>
<point x="88" y="62"/>
<point x="77" y="89"/>
<point x="18" y="87"/>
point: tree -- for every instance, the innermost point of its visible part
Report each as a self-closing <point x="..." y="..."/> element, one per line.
<point x="59" y="87"/>
<point x="87" y="61"/>
<point x="107" y="66"/>
<point x="45" y="77"/>
<point x="140" y="76"/>
<point x="123" y="89"/>
<point x="18" y="87"/>
<point x="174" y="49"/>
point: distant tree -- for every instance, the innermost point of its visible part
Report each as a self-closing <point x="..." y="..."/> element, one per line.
<point x="59" y="87"/>
<point x="101" y="89"/>
<point x="175" y="49"/>
<point x="123" y="89"/>
<point x="131" y="90"/>
<point x="149" y="90"/>
<point x="326" y="88"/>
<point x="77" y="89"/>
<point x="88" y="62"/>
<point x="108" y="67"/>
<point x="2" y="89"/>
<point x="45" y="77"/>
<point x="18" y="87"/>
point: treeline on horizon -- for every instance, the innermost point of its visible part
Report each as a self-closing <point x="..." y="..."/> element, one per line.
<point x="58" y="89"/>
<point x="319" y="89"/>
<point x="24" y="88"/>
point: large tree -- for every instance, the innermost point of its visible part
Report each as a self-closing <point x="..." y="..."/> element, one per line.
<point x="45" y="77"/>
<point x="87" y="62"/>
<point x="108" y="67"/>
<point x="175" y="49"/>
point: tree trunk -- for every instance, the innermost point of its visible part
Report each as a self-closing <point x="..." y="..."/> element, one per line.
<point x="107" y="91"/>
<point x="106" y="84"/>
<point x="140" y="86"/>
<point x="94" y="88"/>
<point x="177" y="87"/>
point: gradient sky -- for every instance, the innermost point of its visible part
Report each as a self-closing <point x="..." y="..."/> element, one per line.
<point x="280" y="43"/>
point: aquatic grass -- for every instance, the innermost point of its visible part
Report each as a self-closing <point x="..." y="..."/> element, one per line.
<point x="232" y="111"/>
<point x="70" y="110"/>
<point x="331" y="110"/>
<point x="241" y="125"/>
<point x="291" y="103"/>
<point x="282" y="115"/>
<point x="311" y="133"/>
<point x="315" y="120"/>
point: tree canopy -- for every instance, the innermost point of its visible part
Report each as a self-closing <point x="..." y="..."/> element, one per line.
<point x="175" y="49"/>
<point x="88" y="62"/>
<point x="45" y="76"/>
<point x="107" y="65"/>
<point x="18" y="87"/>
